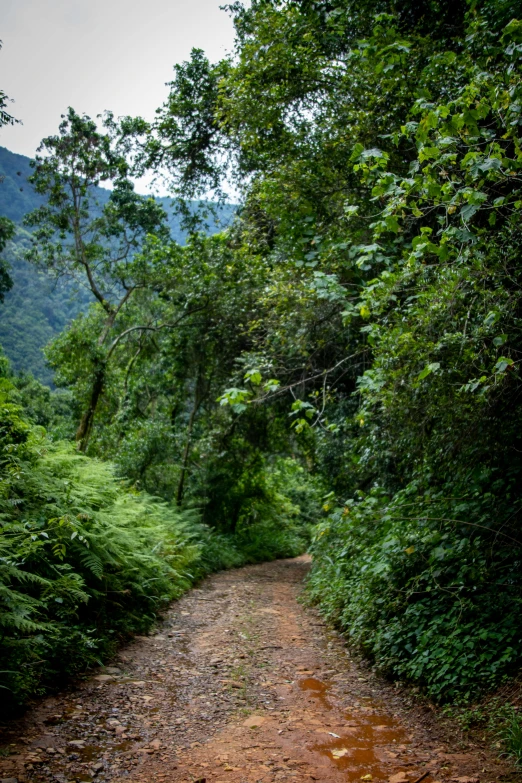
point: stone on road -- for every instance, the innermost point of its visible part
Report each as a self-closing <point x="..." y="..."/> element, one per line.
<point x="240" y="684"/>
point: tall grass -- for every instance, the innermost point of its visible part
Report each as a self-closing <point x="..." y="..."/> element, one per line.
<point x="511" y="735"/>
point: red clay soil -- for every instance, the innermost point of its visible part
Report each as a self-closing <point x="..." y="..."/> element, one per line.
<point x="242" y="684"/>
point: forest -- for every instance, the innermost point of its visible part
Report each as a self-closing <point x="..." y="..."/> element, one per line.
<point x="320" y="351"/>
<point x="40" y="306"/>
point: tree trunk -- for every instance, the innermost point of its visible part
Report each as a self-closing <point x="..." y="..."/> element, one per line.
<point x="83" y="433"/>
<point x="200" y="392"/>
<point x="186" y="453"/>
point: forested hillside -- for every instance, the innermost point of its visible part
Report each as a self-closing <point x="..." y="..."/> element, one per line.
<point x="39" y="306"/>
<point x="354" y="336"/>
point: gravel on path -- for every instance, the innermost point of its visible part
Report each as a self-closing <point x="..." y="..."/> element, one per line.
<point x="240" y="684"/>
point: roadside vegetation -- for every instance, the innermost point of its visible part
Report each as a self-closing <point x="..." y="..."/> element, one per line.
<point x="342" y="361"/>
<point x="86" y="560"/>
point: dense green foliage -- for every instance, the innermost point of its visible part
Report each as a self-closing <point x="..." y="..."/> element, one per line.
<point x="86" y="560"/>
<point x="38" y="307"/>
<point x="6" y="225"/>
<point x="356" y="331"/>
<point x="381" y="157"/>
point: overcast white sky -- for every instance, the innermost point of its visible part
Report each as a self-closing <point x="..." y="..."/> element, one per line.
<point x="96" y="55"/>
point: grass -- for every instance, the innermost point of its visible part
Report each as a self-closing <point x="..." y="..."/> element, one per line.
<point x="511" y="735"/>
<point x="494" y="721"/>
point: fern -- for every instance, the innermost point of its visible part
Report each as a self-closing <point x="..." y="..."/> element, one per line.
<point x="84" y="562"/>
<point x="92" y="562"/>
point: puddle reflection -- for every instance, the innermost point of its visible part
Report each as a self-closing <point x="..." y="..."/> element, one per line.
<point x="368" y="742"/>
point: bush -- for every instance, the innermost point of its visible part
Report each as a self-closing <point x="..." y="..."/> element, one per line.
<point x="429" y="599"/>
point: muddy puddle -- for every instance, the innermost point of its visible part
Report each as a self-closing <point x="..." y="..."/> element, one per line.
<point x="366" y="742"/>
<point x="316" y="689"/>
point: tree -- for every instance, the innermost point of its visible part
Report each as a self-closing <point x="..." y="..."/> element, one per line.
<point x="378" y="149"/>
<point x="160" y="414"/>
<point x="100" y="245"/>
<point x="186" y="140"/>
<point x="7" y="232"/>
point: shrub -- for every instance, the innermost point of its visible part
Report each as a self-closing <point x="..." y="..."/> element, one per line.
<point x="430" y="599"/>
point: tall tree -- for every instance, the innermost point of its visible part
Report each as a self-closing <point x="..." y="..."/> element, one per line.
<point x="101" y="243"/>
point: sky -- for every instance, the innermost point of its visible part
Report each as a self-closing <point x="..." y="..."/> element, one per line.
<point x="95" y="55"/>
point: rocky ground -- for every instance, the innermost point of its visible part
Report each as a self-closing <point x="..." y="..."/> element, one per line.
<point x="240" y="684"/>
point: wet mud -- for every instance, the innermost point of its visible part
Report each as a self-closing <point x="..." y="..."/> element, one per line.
<point x="367" y="743"/>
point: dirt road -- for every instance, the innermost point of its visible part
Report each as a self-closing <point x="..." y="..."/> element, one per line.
<point x="241" y="684"/>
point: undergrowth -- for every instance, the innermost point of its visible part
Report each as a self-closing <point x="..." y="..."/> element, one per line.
<point x="86" y="561"/>
<point x="511" y="733"/>
<point x="493" y="720"/>
<point x="429" y="599"/>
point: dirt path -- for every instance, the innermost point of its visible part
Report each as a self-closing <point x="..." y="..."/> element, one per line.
<point x="241" y="685"/>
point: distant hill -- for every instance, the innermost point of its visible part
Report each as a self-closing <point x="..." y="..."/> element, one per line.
<point x="17" y="196"/>
<point x="38" y="308"/>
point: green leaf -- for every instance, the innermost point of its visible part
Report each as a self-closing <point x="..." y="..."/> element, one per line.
<point x="430" y="368"/>
<point x="468" y="211"/>
<point x="491" y="318"/>
<point x="503" y="363"/>
<point x="272" y="385"/>
<point x="254" y="376"/>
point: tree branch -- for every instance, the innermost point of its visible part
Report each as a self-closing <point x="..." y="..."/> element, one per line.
<point x="159" y="328"/>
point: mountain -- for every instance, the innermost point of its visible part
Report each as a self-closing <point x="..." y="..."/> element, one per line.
<point x="39" y="307"/>
<point x="17" y="196"/>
